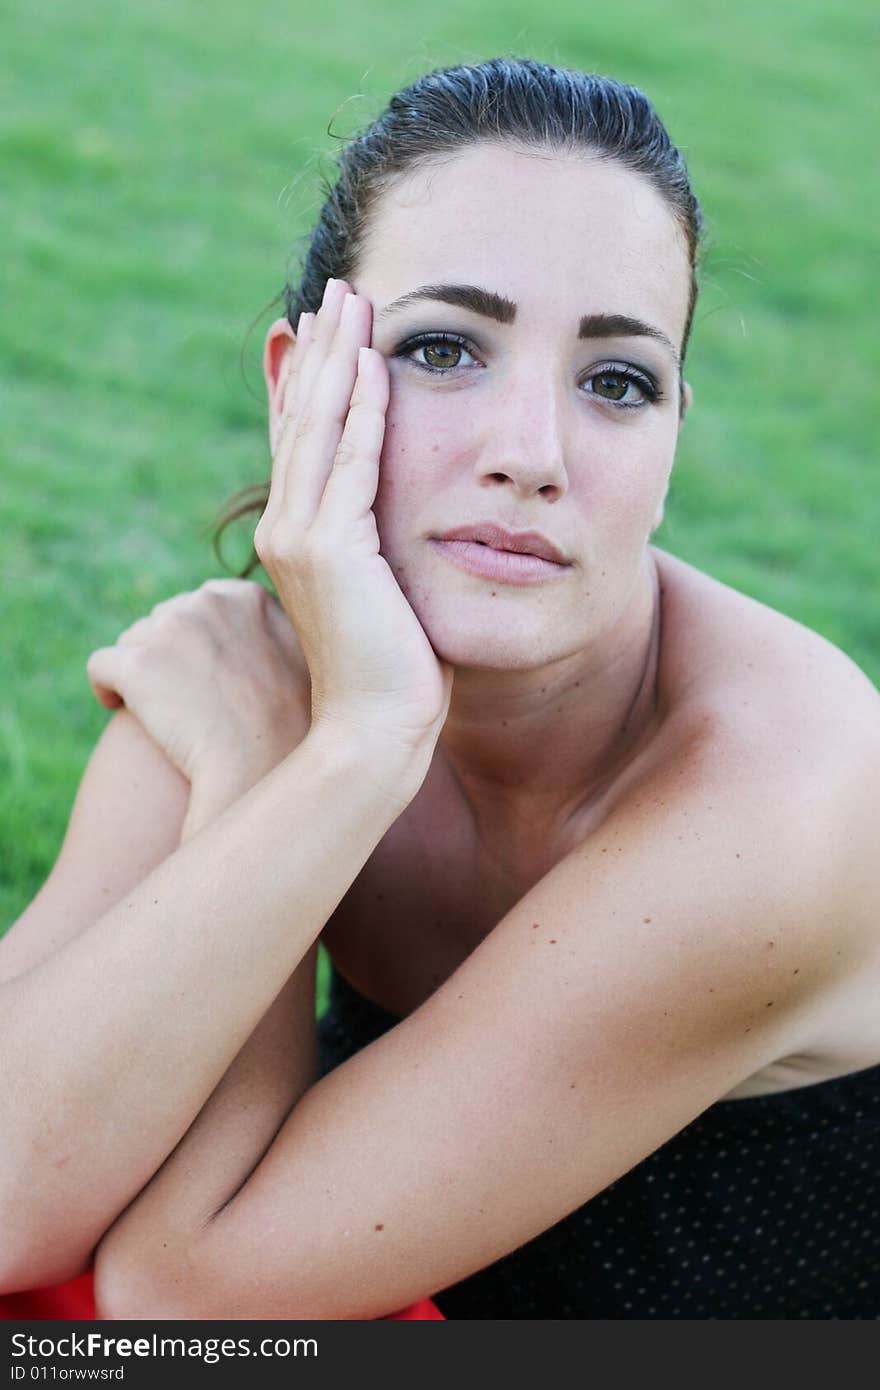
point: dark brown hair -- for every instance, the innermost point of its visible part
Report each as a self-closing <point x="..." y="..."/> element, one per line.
<point x="517" y="101"/>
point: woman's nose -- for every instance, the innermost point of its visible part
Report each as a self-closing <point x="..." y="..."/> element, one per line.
<point x="523" y="443"/>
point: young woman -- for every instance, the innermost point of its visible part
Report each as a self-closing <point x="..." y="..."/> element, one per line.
<point x="590" y="837"/>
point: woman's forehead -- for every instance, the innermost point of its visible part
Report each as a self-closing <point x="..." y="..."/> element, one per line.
<point x="538" y="228"/>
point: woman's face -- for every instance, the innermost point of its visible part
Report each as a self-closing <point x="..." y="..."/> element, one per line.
<point x="524" y="423"/>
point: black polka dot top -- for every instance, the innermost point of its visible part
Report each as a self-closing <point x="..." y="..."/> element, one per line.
<point x="764" y="1207"/>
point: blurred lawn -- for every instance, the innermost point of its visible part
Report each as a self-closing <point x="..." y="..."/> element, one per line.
<point x="160" y="161"/>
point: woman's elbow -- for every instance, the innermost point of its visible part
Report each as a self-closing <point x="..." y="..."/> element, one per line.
<point x="137" y="1279"/>
<point x="36" y="1253"/>
<point x="27" y="1265"/>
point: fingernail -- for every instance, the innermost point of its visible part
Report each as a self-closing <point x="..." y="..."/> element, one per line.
<point x="328" y="290"/>
<point x="348" y="309"/>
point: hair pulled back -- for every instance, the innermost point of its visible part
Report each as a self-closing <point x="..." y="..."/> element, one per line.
<point x="516" y="101"/>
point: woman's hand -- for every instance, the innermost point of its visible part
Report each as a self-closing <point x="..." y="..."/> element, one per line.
<point x="373" y="670"/>
<point x="216" y="679"/>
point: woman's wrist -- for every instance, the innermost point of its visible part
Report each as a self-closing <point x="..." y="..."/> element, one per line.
<point x="215" y="788"/>
<point x="208" y="799"/>
<point x="392" y="766"/>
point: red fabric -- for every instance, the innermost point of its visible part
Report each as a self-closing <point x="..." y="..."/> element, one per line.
<point x="75" y="1302"/>
<point x="425" y="1310"/>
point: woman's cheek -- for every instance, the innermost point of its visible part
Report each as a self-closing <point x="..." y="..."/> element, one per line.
<point x="401" y="468"/>
<point x="420" y="435"/>
<point x="627" y="490"/>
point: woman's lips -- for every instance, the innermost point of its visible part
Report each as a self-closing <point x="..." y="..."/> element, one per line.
<point x="504" y="566"/>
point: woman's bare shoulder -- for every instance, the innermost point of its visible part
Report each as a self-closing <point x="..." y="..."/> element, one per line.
<point x="792" y="721"/>
<point x="764" y="674"/>
<point x="783" y="714"/>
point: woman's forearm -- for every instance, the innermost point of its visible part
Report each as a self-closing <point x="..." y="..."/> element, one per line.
<point x="236" y="1126"/>
<point x="246" y="1109"/>
<point x="112" y="1047"/>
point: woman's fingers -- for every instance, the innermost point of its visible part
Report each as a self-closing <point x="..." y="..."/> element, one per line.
<point x="321" y="340"/>
<point x="326" y="385"/>
<point x="351" y="487"/>
<point x="105" y="670"/>
<point x="326" y="470"/>
<point x="108" y="667"/>
<point x="317" y="400"/>
<point x="369" y="659"/>
<point x="298" y="405"/>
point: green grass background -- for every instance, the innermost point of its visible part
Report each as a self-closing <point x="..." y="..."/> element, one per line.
<point x="160" y="161"/>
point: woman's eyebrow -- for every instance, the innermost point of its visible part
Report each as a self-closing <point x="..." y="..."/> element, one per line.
<point x="496" y="306"/>
<point x="485" y="302"/>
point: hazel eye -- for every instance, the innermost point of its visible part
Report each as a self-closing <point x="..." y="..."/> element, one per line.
<point x="442" y="354"/>
<point x="611" y="384"/>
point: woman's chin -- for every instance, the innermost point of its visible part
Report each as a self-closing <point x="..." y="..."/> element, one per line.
<point x="489" y="646"/>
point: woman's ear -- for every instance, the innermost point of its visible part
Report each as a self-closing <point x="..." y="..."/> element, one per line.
<point x="280" y="342"/>
<point x="658" y="514"/>
<point x="688" y="401"/>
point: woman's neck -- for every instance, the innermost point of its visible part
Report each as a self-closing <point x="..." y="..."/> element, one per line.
<point x="528" y="749"/>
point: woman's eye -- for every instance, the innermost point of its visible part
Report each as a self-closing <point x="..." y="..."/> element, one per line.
<point x="438" y="354"/>
<point x="612" y="385"/>
<point x="442" y="354"/>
